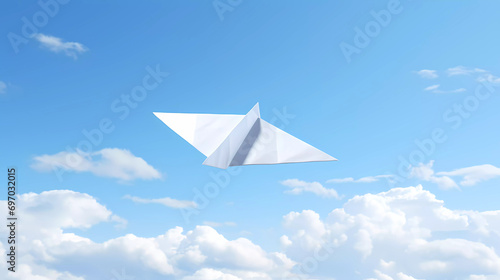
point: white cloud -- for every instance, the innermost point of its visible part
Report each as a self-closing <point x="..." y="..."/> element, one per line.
<point x="368" y="179"/>
<point x="217" y="224"/>
<point x="401" y="234"/>
<point x="426" y="173"/>
<point x="484" y="277"/>
<point x="298" y="187"/>
<point x="3" y="87"/>
<point x="489" y="78"/>
<point x="428" y="74"/>
<point x="461" y="70"/>
<point x="80" y="210"/>
<point x="211" y="274"/>
<point x="470" y="175"/>
<point x="480" y="74"/>
<point x="44" y="218"/>
<point x="223" y="274"/>
<point x="402" y="276"/>
<point x="50" y="252"/>
<point x="433" y="87"/>
<point x="33" y="271"/>
<point x="166" y="201"/>
<point x="54" y="44"/>
<point x="474" y="174"/>
<point x="285" y="241"/>
<point x="109" y="162"/>
<point x="450" y="91"/>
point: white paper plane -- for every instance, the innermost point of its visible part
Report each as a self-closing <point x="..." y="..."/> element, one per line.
<point x="232" y="140"/>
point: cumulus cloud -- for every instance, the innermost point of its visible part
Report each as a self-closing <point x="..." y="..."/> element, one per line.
<point x="404" y="233"/>
<point x="211" y="274"/>
<point x="109" y="162"/>
<point x="50" y="251"/>
<point x="368" y="179"/>
<point x="297" y="187"/>
<point x="166" y="201"/>
<point x="57" y="45"/>
<point x="80" y="210"/>
<point x="428" y="74"/>
<point x="45" y="216"/>
<point x="401" y="234"/>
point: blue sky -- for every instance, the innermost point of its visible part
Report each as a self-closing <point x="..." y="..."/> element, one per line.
<point x="367" y="109"/>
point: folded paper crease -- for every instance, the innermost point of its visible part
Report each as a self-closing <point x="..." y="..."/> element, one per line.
<point x="234" y="140"/>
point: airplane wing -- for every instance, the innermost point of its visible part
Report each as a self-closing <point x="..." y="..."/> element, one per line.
<point x="204" y="131"/>
<point x="233" y="140"/>
<point x="274" y="146"/>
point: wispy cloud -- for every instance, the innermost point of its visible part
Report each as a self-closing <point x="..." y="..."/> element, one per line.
<point x="426" y="173"/>
<point x="489" y="78"/>
<point x="3" y="87"/>
<point x="474" y="174"/>
<point x="297" y="187"/>
<point x="110" y="162"/>
<point x="433" y="87"/>
<point x="166" y="201"/>
<point x="470" y="175"/>
<point x="368" y="179"/>
<point x="450" y="91"/>
<point x="216" y="224"/>
<point x="428" y="74"/>
<point x="481" y="75"/>
<point x="461" y="70"/>
<point x="57" y="45"/>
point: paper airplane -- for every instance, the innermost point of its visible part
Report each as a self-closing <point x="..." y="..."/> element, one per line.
<point x="232" y="140"/>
